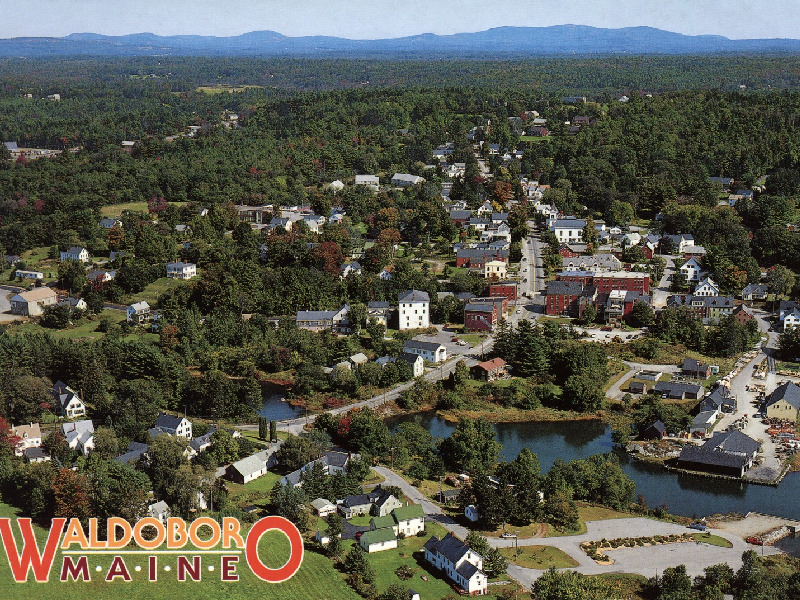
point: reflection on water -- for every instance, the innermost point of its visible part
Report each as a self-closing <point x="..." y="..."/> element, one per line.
<point x="274" y="408"/>
<point x="790" y="545"/>
<point x="683" y="494"/>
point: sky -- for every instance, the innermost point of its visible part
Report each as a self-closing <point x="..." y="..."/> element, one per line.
<point x="371" y="19"/>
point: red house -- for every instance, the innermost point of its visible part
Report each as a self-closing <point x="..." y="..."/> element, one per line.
<point x="505" y="289"/>
<point x="480" y="317"/>
<point x="476" y="258"/>
<point x="566" y="252"/>
<point x="500" y="301"/>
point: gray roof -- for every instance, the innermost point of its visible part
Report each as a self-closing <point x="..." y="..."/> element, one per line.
<point x="786" y="391"/>
<point x="467" y="570"/>
<point x="717" y="399"/>
<point x="34" y="453"/>
<point x="321" y="503"/>
<point x="378" y="304"/>
<point x="731" y="449"/>
<point x="566" y="288"/>
<point x="732" y="441"/>
<point x="316" y="315"/>
<point x="254" y="462"/>
<point x="449" y="546"/>
<point x="413" y="296"/>
<point x="482" y="253"/>
<point x="168" y="421"/>
<point x="479" y="307"/>
<point x="334" y="458"/>
<point x="673" y="387"/>
<point x="691" y="364"/>
<point x="568" y="224"/>
<point x="433" y="346"/>
<point x="703" y="418"/>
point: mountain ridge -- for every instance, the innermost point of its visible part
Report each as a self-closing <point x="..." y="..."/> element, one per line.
<point x="497" y="42"/>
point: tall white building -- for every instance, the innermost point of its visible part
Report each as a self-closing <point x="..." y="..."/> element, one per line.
<point x="414" y="310"/>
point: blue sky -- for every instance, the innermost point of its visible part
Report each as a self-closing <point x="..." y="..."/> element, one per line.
<point x="362" y="19"/>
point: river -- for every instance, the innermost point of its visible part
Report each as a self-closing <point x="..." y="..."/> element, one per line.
<point x="683" y="494"/>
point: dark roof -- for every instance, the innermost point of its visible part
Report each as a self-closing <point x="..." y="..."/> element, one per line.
<point x="467" y="570"/>
<point x="482" y="253"/>
<point x="34" y="453"/>
<point x="413" y="296"/>
<point x="479" y="307"/>
<point x="566" y="288"/>
<point x="674" y="387"/>
<point x="357" y="500"/>
<point x="659" y="426"/>
<point x="717" y="399"/>
<point x="691" y="364"/>
<point x="422" y="345"/>
<point x="786" y="391"/>
<point x="378" y="305"/>
<point x="336" y="459"/>
<point x="450" y="547"/>
<point x="410" y="358"/>
<point x="168" y="421"/>
<point x="732" y="441"/>
<point x="693" y="454"/>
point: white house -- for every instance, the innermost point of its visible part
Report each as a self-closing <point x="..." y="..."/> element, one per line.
<point x="110" y="223"/>
<point x="28" y="274"/>
<point x="410" y="520"/>
<point x="314" y="222"/>
<point x="159" y="510"/>
<point x="76" y="253"/>
<point x="253" y="466"/>
<point x="336" y="186"/>
<point x="416" y="362"/>
<point x="414" y="310"/>
<point x="431" y="351"/>
<point x="458" y="562"/>
<point x="79" y="435"/>
<point x="67" y="402"/>
<point x="378" y="540"/>
<point x="323" y="507"/>
<point x="32" y="302"/>
<point x="706" y="287"/>
<point x="791" y="319"/>
<point x="174" y="426"/>
<point x="30" y="436"/>
<point x="181" y="270"/>
<point x="406" y="180"/>
<point x="568" y="230"/>
<point x="370" y="181"/>
<point x="138" y="312"/>
<point x="691" y="270"/>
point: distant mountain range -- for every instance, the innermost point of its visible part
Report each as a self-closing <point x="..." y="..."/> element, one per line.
<point x="501" y="42"/>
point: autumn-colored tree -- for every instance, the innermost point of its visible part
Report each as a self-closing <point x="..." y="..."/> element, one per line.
<point x="387" y="218"/>
<point x="328" y="257"/>
<point x="389" y="238"/>
<point x="8" y="440"/>
<point x="72" y="494"/>
<point x="116" y="238"/>
<point x="168" y="336"/>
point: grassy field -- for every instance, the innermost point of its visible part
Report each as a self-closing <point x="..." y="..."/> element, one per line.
<point x="317" y="578"/>
<point x="115" y="210"/>
<point x="626" y="585"/>
<point x="409" y="553"/>
<point x="87" y="330"/>
<point x="711" y="540"/>
<point x="254" y="492"/>
<point x="539" y="557"/>
<point x="155" y="289"/>
<point x="221" y="88"/>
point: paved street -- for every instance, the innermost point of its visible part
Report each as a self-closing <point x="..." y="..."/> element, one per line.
<point x="661" y="293"/>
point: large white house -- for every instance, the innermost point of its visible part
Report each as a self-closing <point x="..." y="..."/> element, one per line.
<point x="406" y="180"/>
<point x="32" y="302"/>
<point x="706" y="287"/>
<point x="370" y="181"/>
<point x="138" y="312"/>
<point x="68" y="403"/>
<point x="568" y="230"/>
<point x="76" y="253"/>
<point x="691" y="270"/>
<point x="181" y="270"/>
<point x="414" y="310"/>
<point x="458" y="562"/>
<point x="172" y="425"/>
<point x="431" y="351"/>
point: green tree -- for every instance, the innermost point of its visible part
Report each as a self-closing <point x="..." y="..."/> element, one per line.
<point x="471" y="447"/>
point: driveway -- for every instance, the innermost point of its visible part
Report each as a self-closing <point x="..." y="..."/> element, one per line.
<point x="615" y="391"/>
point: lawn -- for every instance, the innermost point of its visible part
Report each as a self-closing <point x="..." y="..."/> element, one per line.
<point x="87" y="330"/>
<point x="472" y="339"/>
<point x="539" y="557"/>
<point x="116" y="210"/>
<point x="316" y="579"/>
<point x="155" y="289"/>
<point x="588" y="512"/>
<point x="711" y="540"/>
<point x="409" y="553"/>
<point x="626" y="585"/>
<point x="254" y="492"/>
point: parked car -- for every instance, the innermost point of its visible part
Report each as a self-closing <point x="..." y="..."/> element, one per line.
<point x="508" y="535"/>
<point x="698" y="526"/>
<point x="755" y="541"/>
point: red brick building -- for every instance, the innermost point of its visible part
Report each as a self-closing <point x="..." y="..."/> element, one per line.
<point x="476" y="258"/>
<point x="568" y="298"/>
<point x="566" y="252"/>
<point x="489" y="370"/>
<point x="505" y="289"/>
<point x="630" y="281"/>
<point x="500" y="301"/>
<point x="480" y="317"/>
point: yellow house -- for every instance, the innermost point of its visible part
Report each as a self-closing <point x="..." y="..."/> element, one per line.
<point x="784" y="402"/>
<point x="495" y="269"/>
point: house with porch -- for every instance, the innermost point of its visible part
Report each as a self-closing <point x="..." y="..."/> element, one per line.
<point x="458" y="562"/>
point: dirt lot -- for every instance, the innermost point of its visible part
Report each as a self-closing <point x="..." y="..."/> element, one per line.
<point x="753" y="524"/>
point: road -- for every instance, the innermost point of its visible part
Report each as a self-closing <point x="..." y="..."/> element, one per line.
<point x="738" y="386"/>
<point x="645" y="561"/>
<point x="615" y="391"/>
<point x="661" y="293"/>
